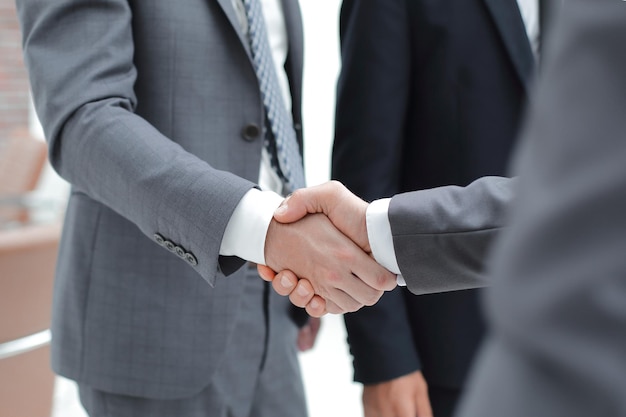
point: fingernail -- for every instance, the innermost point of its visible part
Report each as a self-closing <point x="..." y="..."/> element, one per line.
<point x="285" y="282"/>
<point x="314" y="303"/>
<point x="281" y="209"/>
<point x="302" y="291"/>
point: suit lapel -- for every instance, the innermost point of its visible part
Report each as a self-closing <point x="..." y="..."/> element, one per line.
<point x="231" y="14"/>
<point x="508" y="20"/>
<point x="293" y="21"/>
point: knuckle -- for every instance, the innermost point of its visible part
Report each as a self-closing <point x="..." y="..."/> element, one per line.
<point x="354" y="307"/>
<point x="345" y="255"/>
<point x="296" y="300"/>
<point x="373" y="298"/>
<point x="385" y="281"/>
<point x="313" y="312"/>
<point x="334" y="309"/>
<point x="333" y="277"/>
<point x="296" y="195"/>
<point x="335" y="185"/>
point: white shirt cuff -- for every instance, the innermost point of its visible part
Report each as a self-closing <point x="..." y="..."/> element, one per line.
<point x="246" y="230"/>
<point x="379" y="235"/>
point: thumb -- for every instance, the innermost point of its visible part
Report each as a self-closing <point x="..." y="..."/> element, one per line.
<point x="296" y="206"/>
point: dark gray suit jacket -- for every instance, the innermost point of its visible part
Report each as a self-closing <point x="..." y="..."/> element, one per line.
<point x="153" y="113"/>
<point x="558" y="345"/>
<point x="430" y="93"/>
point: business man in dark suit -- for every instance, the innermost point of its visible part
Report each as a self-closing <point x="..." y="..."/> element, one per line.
<point x="430" y="94"/>
<point x="164" y="117"/>
<point x="557" y="345"/>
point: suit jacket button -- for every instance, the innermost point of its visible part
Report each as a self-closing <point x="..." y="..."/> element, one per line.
<point x="250" y="132"/>
<point x="191" y="260"/>
<point x="159" y="239"/>
<point x="170" y="245"/>
<point x="180" y="252"/>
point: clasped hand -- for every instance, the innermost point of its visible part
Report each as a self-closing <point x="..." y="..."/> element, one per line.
<point x="318" y="243"/>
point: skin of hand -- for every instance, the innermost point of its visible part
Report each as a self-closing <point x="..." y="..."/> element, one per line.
<point x="406" y="396"/>
<point x="338" y="270"/>
<point x="285" y="283"/>
<point x="308" y="334"/>
<point x="344" y="209"/>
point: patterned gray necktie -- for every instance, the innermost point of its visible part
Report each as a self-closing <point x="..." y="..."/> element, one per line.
<point x="287" y="152"/>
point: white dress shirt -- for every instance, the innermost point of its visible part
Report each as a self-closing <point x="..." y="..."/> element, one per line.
<point x="529" y="9"/>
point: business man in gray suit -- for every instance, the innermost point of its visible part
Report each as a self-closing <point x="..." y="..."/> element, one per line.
<point x="155" y="112"/>
<point x="556" y="310"/>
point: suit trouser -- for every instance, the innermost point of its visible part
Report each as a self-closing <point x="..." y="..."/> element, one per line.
<point x="259" y="376"/>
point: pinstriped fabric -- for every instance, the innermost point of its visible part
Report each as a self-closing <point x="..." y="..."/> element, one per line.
<point x="287" y="153"/>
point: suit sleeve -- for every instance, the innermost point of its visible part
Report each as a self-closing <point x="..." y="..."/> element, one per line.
<point x="442" y="236"/>
<point x="372" y="97"/>
<point x="80" y="59"/>
<point x="558" y="311"/>
<point x="366" y="158"/>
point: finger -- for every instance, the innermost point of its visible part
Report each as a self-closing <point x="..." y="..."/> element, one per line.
<point x="332" y="308"/>
<point x="346" y="302"/>
<point x="372" y="274"/>
<point x="351" y="292"/>
<point x="315" y="324"/>
<point x="317" y="199"/>
<point x="266" y="272"/>
<point x="302" y="294"/>
<point x="316" y="307"/>
<point x="291" y="210"/>
<point x="422" y="401"/>
<point x="305" y="341"/>
<point x="308" y="334"/>
<point x="285" y="282"/>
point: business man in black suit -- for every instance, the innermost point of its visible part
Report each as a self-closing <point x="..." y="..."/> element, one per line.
<point x="430" y="94"/>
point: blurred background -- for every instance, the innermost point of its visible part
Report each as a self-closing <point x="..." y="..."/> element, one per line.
<point x="32" y="201"/>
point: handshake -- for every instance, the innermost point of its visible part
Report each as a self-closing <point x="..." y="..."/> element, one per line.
<point x="318" y="253"/>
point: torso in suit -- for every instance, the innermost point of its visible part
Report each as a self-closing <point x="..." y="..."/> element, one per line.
<point x="431" y="93"/>
<point x="153" y="113"/>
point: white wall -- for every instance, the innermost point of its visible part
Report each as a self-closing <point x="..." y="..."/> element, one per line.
<point x="321" y="68"/>
<point x="327" y="369"/>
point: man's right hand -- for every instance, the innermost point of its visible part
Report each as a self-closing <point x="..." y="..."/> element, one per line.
<point x="406" y="396"/>
<point x="338" y="270"/>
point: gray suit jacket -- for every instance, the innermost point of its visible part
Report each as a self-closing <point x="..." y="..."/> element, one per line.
<point x="442" y="235"/>
<point x="558" y="343"/>
<point x="153" y="113"/>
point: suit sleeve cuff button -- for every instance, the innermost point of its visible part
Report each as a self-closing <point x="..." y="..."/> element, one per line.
<point x="159" y="239"/>
<point x="180" y="252"/>
<point x="191" y="260"/>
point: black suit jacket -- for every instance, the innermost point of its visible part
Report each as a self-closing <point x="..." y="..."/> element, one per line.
<point x="431" y="93"/>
